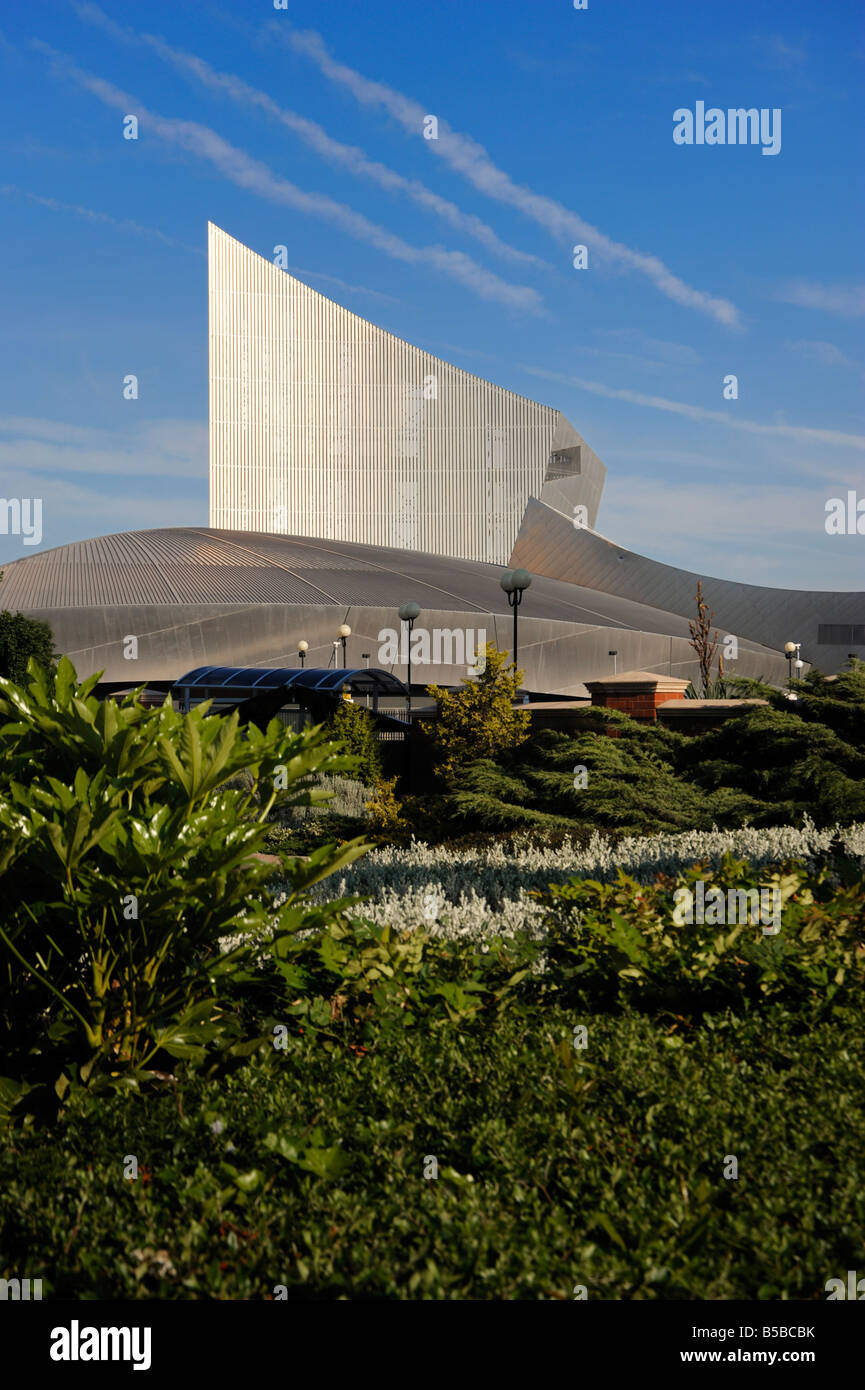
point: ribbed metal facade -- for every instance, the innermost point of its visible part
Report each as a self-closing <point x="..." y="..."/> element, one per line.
<point x="828" y="625"/>
<point x="322" y="424"/>
<point x="196" y="597"/>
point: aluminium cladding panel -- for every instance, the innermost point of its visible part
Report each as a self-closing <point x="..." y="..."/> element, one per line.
<point x="556" y="657"/>
<point x="548" y="544"/>
<point x="322" y="424"/>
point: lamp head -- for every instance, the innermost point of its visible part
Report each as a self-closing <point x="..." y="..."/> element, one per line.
<point x="303" y="646"/>
<point x="521" y="579"/>
<point x="507" y="582"/>
<point x="409" y="611"/>
<point x="344" y="630"/>
<point x="790" y="647"/>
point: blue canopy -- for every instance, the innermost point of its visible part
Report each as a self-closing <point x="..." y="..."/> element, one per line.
<point x="241" y="682"/>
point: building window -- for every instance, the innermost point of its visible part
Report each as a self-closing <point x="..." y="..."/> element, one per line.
<point x="564" y="463"/>
<point x="841" y="634"/>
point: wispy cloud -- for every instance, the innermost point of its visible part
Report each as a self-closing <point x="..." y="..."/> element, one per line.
<point x="777" y="52"/>
<point x="341" y="284"/>
<point x="152" y="449"/>
<point x="256" y="177"/>
<point x="846" y="300"/>
<point x="802" y="433"/>
<point x="635" y="359"/>
<point x="753" y="527"/>
<point x="314" y="135"/>
<point x="658" y="349"/>
<point x="470" y="159"/>
<point x="73" y="509"/>
<point x="125" y="223"/>
<point x="826" y="354"/>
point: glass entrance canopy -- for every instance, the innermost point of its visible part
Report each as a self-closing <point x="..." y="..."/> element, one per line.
<point x="243" y="682"/>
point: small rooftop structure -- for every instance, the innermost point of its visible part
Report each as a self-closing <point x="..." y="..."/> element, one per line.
<point x="709" y="708"/>
<point x="564" y="715"/>
<point x="637" y="693"/>
<point x="694" y="716"/>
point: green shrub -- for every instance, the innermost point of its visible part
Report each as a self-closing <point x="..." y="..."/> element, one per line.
<point x="626" y="942"/>
<point x="307" y="1165"/>
<point x="383" y="811"/>
<point x="783" y="766"/>
<point x="124" y="860"/>
<point x="556" y="1167"/>
<point x="632" y="784"/>
<point x="763" y="766"/>
<point x="20" y="639"/>
<point x="478" y="720"/>
<point x="356" y="729"/>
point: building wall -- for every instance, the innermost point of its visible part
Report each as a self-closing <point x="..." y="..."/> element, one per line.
<point x="322" y="424"/>
<point x="548" y="544"/>
<point x="171" y="639"/>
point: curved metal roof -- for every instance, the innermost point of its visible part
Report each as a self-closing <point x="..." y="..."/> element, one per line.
<point x="195" y="594"/>
<point x="549" y="544"/>
<point x="203" y="568"/>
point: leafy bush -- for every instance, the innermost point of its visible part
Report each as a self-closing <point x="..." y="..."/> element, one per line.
<point x="839" y="703"/>
<point x="479" y="719"/>
<point x="20" y="639"/>
<point x="376" y="1050"/>
<point x="555" y="1167"/>
<point x="340" y="815"/>
<point x="383" y="811"/>
<point x="480" y="892"/>
<point x="124" y="861"/>
<point x="627" y="942"/>
<point x="782" y="766"/>
<point x="762" y="766"/>
<point x="355" y="728"/>
<point x="632" y="785"/>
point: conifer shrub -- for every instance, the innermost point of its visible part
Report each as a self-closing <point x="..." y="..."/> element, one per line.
<point x="355" y="727"/>
<point x="478" y="720"/>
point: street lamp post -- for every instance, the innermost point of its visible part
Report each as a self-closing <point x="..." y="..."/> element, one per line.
<point x="791" y="650"/>
<point x="302" y="649"/>
<point x="515" y="583"/>
<point x="613" y="655"/>
<point x="409" y="612"/>
<point x="344" y="632"/>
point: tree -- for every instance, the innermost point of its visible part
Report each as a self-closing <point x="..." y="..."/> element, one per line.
<point x="793" y="765"/>
<point x="383" y="811"/>
<point x="632" y="784"/>
<point x="356" y="727"/>
<point x="704" y="644"/>
<point x="479" y="720"/>
<point x="21" y="638"/>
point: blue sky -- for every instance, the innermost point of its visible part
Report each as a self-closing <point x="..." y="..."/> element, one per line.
<point x="300" y="127"/>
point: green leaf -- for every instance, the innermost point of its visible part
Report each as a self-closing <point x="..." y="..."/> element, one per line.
<point x="601" y="1219"/>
